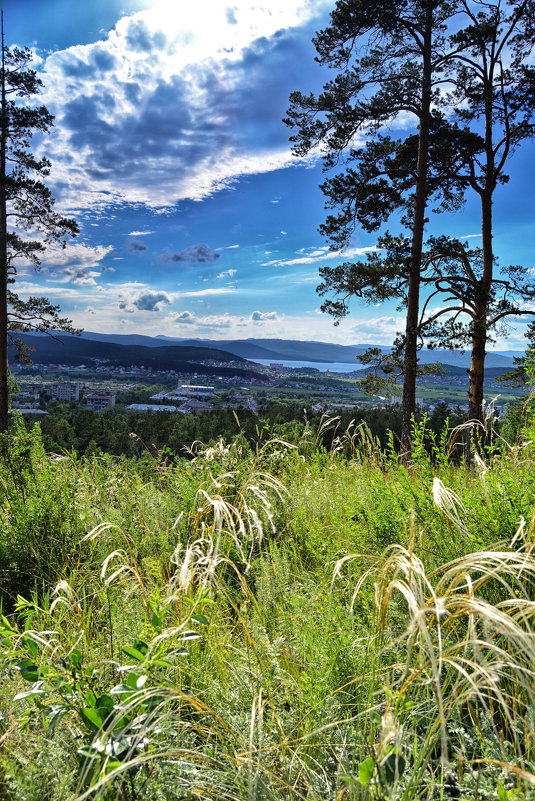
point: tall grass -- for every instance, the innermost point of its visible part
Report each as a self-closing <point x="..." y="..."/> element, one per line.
<point x="306" y="621"/>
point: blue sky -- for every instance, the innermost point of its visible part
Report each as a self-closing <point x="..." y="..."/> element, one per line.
<point x="169" y="150"/>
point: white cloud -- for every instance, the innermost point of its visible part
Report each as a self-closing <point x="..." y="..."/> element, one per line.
<point x="378" y="330"/>
<point x="201" y="293"/>
<point x="185" y="317"/>
<point x="262" y="317"/>
<point x="321" y="254"/>
<point x="141" y="233"/>
<point x="74" y="255"/>
<point x="226" y="274"/>
<point x="160" y="108"/>
<point x="204" y="322"/>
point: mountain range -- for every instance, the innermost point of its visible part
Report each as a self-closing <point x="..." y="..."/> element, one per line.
<point x="163" y="352"/>
<point x="73" y="350"/>
<point x="283" y="350"/>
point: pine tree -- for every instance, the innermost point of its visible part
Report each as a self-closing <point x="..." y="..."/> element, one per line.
<point x="495" y="92"/>
<point x="390" y="58"/>
<point x="26" y="207"/>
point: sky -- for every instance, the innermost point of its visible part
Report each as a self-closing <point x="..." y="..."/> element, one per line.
<point x="169" y="151"/>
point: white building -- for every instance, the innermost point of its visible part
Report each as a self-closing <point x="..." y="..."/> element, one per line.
<point x="66" y="391"/>
<point x="153" y="407"/>
<point x="193" y="389"/>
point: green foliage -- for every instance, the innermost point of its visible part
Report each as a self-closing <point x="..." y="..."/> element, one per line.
<point x="264" y="619"/>
<point x="40" y="523"/>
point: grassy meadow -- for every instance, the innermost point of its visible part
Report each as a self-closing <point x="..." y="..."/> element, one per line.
<point x="281" y="620"/>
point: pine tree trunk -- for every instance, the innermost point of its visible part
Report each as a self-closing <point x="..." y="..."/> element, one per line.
<point x="410" y="362"/>
<point x="479" y="333"/>
<point x="4" y="389"/>
<point x="477" y="370"/>
<point x="480" y="321"/>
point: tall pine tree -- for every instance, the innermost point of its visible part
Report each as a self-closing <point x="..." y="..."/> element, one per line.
<point x="494" y="94"/>
<point x="390" y="59"/>
<point x="26" y="207"/>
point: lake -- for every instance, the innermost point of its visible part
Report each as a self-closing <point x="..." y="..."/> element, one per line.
<point x="334" y="367"/>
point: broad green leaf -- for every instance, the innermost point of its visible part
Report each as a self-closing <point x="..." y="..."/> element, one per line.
<point x="75" y="658"/>
<point x="105" y="702"/>
<point x="156" y="620"/>
<point x="178" y="652"/>
<point x="121" y="689"/>
<point x="366" y="769"/>
<point x="189" y="635"/>
<point x="393" y="767"/>
<point x="28" y="670"/>
<point x="202" y="620"/>
<point x="91" y="718"/>
<point x="132" y="680"/>
<point x="90" y="698"/>
<point x="133" y="652"/>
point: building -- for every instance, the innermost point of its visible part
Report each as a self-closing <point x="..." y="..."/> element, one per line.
<point x="30" y="391"/>
<point x="66" y="391"/>
<point x="193" y="389"/>
<point x="195" y="406"/>
<point x="28" y="410"/>
<point x="153" y="407"/>
<point x="100" y="400"/>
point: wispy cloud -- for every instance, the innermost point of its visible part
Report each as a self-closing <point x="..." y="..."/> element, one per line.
<point x="321" y="254"/>
<point x="202" y="293"/>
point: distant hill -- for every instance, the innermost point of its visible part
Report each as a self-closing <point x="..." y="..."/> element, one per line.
<point x="277" y="350"/>
<point x="282" y="350"/>
<point x="71" y="350"/>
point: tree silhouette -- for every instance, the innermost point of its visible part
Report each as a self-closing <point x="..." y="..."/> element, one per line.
<point x="26" y="208"/>
<point x="390" y="58"/>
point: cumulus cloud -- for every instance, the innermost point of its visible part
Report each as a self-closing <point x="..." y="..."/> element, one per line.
<point x="185" y="317"/>
<point x="207" y="321"/>
<point x="261" y="317"/>
<point x="133" y="246"/>
<point x="57" y="258"/>
<point x="194" y="254"/>
<point x="76" y="262"/>
<point x="166" y="106"/>
<point x="151" y="301"/>
<point x="226" y="274"/>
<point x="90" y="310"/>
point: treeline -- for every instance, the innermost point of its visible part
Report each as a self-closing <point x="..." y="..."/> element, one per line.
<point x="89" y="433"/>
